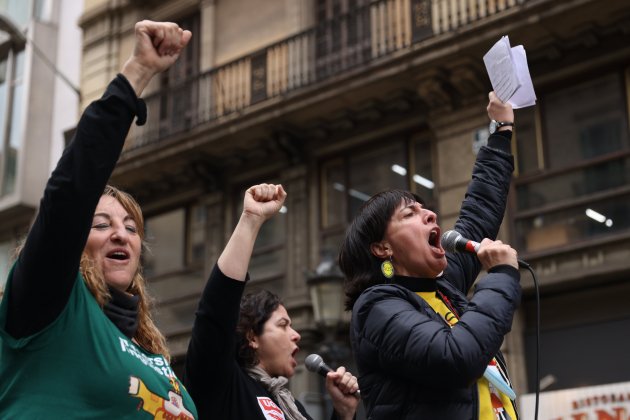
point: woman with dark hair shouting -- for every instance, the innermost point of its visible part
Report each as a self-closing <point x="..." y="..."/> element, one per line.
<point x="242" y="351"/>
<point x="422" y="349"/>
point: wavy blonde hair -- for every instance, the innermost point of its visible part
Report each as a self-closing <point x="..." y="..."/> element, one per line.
<point x="147" y="335"/>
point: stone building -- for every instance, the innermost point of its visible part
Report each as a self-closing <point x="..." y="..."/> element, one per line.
<point x="339" y="99"/>
<point x="40" y="54"/>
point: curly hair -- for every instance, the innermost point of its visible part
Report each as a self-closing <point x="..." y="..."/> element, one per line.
<point x="256" y="309"/>
<point x="360" y="267"/>
<point x="147" y="334"/>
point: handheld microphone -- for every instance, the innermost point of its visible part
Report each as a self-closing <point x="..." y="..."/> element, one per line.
<point x="316" y="364"/>
<point x="453" y="241"/>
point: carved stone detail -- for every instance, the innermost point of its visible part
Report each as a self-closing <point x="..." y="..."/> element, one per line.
<point x="435" y="90"/>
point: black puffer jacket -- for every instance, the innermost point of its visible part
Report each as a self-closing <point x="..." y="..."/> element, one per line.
<point x="411" y="364"/>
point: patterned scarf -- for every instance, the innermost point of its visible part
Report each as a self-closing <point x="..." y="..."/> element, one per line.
<point x="276" y="387"/>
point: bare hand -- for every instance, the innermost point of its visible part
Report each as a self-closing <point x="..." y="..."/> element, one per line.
<point x="492" y="253"/>
<point x="263" y="200"/>
<point x="157" y="47"/>
<point x="499" y="111"/>
<point x="341" y="386"/>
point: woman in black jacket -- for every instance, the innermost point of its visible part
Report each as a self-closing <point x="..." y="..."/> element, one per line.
<point x="422" y="349"/>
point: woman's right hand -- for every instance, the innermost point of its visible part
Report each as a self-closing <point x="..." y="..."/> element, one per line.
<point x="499" y="111"/>
<point x="157" y="47"/>
<point x="492" y="253"/>
<point x="263" y="201"/>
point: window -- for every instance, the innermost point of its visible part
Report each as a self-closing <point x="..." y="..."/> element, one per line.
<point x="342" y="35"/>
<point x="573" y="320"/>
<point x="349" y="181"/>
<point x="11" y="105"/>
<point x="574" y="175"/>
<point x="17" y="10"/>
<point x="176" y="241"/>
<point x="165" y="235"/>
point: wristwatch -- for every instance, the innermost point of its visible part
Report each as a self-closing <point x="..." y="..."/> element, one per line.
<point x="495" y="125"/>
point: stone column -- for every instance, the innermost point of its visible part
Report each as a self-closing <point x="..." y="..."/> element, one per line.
<point x="215" y="232"/>
<point x="300" y="15"/>
<point x="208" y="17"/>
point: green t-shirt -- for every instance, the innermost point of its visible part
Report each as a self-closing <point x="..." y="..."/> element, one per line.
<point x="82" y="366"/>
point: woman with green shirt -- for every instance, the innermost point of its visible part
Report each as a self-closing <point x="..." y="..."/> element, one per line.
<point x="76" y="336"/>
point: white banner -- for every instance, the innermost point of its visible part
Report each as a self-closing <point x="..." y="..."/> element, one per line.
<point x="603" y="402"/>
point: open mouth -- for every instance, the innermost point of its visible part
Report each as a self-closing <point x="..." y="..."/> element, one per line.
<point x="293" y="354"/>
<point x="434" y="238"/>
<point x="118" y="255"/>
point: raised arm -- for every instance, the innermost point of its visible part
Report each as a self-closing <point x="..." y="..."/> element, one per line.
<point x="485" y="201"/>
<point x="260" y="203"/>
<point x="211" y="351"/>
<point x="47" y="266"/>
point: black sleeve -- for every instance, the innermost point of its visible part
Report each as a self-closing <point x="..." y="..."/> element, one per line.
<point x="394" y="334"/>
<point x="483" y="207"/>
<point x="210" y="361"/>
<point x="334" y="416"/>
<point x="47" y="266"/>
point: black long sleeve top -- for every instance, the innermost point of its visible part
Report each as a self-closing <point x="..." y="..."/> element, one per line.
<point x="45" y="271"/>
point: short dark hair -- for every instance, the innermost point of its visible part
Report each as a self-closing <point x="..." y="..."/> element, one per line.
<point x="360" y="267"/>
<point x="256" y="309"/>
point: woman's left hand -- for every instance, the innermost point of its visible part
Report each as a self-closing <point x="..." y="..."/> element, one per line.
<point x="341" y="386"/>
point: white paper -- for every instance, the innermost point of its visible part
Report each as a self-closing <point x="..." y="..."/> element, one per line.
<point x="509" y="74"/>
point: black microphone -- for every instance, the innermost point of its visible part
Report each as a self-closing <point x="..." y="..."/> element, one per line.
<point x="453" y="241"/>
<point x="316" y="364"/>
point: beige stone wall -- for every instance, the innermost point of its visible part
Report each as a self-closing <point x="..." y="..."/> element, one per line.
<point x="244" y="26"/>
<point x="454" y="132"/>
<point x="229" y="30"/>
<point x="93" y="4"/>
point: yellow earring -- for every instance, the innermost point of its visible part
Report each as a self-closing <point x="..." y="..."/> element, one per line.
<point x="387" y="268"/>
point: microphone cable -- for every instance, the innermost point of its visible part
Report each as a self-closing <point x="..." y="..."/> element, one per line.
<point x="537" y="335"/>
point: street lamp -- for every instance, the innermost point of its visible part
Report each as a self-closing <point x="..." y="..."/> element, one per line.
<point x="326" y="289"/>
<point x="325" y="286"/>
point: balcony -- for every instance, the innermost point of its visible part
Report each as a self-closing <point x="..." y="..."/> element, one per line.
<point x="365" y="67"/>
<point x="368" y="35"/>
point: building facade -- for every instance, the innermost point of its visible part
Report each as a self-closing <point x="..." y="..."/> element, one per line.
<point x="339" y="99"/>
<point x="40" y="52"/>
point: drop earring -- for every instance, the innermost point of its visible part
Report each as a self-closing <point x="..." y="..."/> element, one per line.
<point x="387" y="268"/>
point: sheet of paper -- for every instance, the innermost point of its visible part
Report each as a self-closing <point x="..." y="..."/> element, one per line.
<point x="509" y="74"/>
<point x="525" y="95"/>
<point x="501" y="69"/>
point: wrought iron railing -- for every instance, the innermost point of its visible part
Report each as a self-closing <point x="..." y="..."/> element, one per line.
<point x="335" y="46"/>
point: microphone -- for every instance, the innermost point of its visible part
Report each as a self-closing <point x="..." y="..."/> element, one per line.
<point x="453" y="241"/>
<point x="316" y="364"/>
